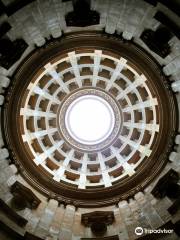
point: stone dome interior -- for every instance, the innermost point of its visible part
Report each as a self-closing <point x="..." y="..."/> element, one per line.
<point x="90" y="133"/>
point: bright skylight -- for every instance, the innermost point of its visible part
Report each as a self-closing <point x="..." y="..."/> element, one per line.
<point x="89" y="119"/>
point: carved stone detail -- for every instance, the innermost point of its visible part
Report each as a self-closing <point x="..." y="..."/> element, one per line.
<point x="23" y="197"/>
<point x="98" y="221"/>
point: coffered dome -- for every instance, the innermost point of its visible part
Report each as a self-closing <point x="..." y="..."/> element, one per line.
<point x="89" y="117"/>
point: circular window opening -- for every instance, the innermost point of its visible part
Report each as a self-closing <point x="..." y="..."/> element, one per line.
<point x="89" y="119"/>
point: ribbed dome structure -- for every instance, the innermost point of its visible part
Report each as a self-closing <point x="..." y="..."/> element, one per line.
<point x="75" y="166"/>
<point x="77" y="75"/>
<point x="89" y="95"/>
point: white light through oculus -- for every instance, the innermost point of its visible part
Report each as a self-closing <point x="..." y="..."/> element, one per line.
<point x="89" y="119"/>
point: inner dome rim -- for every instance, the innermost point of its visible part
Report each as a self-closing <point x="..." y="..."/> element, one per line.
<point x="117" y="124"/>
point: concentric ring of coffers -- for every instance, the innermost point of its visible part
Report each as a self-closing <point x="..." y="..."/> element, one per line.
<point x="135" y="139"/>
<point x="120" y="74"/>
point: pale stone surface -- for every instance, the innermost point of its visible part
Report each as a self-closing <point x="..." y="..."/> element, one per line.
<point x="3" y="71"/>
<point x="120" y="225"/>
<point x="68" y="216"/>
<point x="56" y="222"/>
<point x="26" y="213"/>
<point x="128" y="217"/>
<point x="13" y="168"/>
<point x="140" y="217"/>
<point x="4" y="153"/>
<point x="65" y="234"/>
<point x="174" y="157"/>
<point x="139" y="197"/>
<point x="172" y="67"/>
<point x="50" y="18"/>
<point x="78" y="229"/>
<point x="67" y="223"/>
<point x="114" y="14"/>
<point x="175" y="47"/>
<point x="3" y="164"/>
<point x="175" y="76"/>
<point x="149" y="211"/>
<point x="11" y="180"/>
<point x="134" y="15"/>
<point x="5" y="194"/>
<point x="30" y="30"/>
<point x="61" y="9"/>
<point x="5" y="174"/>
<point x="147" y="21"/>
<point x="35" y="216"/>
<point x="177" y="139"/>
<point x="161" y="207"/>
<point x="4" y="81"/>
<point x="101" y="6"/>
<point x="148" y="189"/>
<point x="43" y="226"/>
<point x="176" y="86"/>
<point x="1" y="99"/>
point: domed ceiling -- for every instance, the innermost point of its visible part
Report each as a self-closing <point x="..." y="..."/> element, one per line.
<point x="89" y="119"/>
